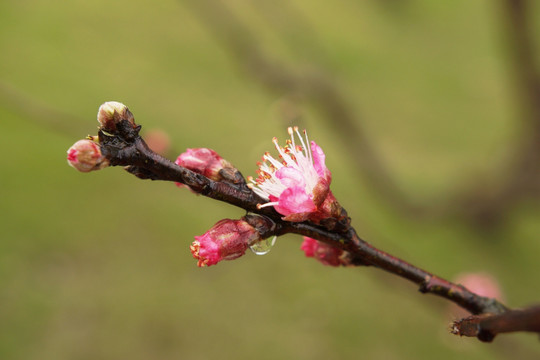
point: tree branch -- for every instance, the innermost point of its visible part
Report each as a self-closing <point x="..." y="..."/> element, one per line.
<point x="126" y="148"/>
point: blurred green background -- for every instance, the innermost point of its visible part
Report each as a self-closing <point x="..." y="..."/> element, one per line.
<point x="97" y="266"/>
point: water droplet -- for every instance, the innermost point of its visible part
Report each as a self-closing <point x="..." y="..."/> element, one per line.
<point x="263" y="247"/>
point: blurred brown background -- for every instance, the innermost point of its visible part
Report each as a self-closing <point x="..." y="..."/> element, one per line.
<point x="429" y="114"/>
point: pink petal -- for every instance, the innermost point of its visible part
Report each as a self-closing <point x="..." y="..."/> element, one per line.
<point x="291" y="177"/>
<point x="193" y="159"/>
<point x="294" y="200"/>
<point x="207" y="250"/>
<point x="319" y="160"/>
<point x="202" y="161"/>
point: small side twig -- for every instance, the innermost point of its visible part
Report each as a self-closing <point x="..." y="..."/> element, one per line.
<point x="486" y="327"/>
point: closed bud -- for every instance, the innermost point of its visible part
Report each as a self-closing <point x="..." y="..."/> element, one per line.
<point x="226" y="240"/>
<point x="111" y="113"/>
<point x="85" y="155"/>
<point x="206" y="162"/>
<point x="324" y="253"/>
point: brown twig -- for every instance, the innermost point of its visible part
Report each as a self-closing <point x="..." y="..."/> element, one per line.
<point x="485" y="327"/>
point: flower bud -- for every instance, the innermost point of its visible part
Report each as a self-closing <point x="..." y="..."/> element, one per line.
<point x="226" y="240"/>
<point x="326" y="254"/>
<point x="85" y="155"/>
<point x="111" y="113"/>
<point x="204" y="161"/>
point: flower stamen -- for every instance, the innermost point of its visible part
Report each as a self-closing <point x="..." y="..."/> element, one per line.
<point x="294" y="182"/>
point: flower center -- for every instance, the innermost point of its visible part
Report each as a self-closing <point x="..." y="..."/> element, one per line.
<point x="294" y="168"/>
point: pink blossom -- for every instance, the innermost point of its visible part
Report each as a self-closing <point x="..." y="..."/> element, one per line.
<point x="85" y="155"/>
<point x="298" y="183"/>
<point x="326" y="254"/>
<point x="226" y="240"/>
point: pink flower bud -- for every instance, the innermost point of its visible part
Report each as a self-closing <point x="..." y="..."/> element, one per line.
<point x="226" y="240"/>
<point x="203" y="161"/>
<point x="85" y="155"/>
<point x="113" y="112"/>
<point x="326" y="254"/>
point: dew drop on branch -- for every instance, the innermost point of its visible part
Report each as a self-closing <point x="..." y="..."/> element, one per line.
<point x="263" y="247"/>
